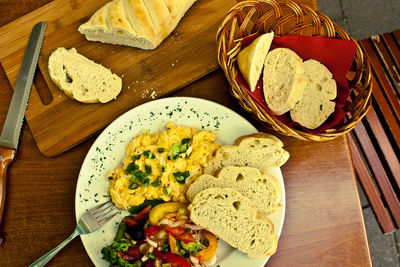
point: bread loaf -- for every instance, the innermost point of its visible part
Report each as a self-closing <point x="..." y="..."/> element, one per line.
<point x="283" y="80"/>
<point x="315" y="106"/>
<point x="262" y="151"/>
<point x="251" y="59"/>
<point x="81" y="78"/>
<point x="261" y="188"/>
<point x="234" y="218"/>
<point x="137" y="23"/>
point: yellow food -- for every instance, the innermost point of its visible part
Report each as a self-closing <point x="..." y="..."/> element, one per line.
<point x="159" y="211"/>
<point x="207" y="253"/>
<point x="161" y="165"/>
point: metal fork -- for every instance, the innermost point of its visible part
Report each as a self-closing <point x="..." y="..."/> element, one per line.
<point x="92" y="220"/>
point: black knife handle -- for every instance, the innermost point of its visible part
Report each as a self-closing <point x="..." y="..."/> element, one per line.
<point x="6" y="156"/>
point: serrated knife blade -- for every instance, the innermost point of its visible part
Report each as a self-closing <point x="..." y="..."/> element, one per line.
<point x="12" y="127"/>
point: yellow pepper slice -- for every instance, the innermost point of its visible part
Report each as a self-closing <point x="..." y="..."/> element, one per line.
<point x="159" y="211"/>
<point x="207" y="253"/>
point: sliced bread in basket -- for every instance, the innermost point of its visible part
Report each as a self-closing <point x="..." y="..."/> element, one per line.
<point x="315" y="106"/>
<point x="262" y="188"/>
<point x="260" y="150"/>
<point x="283" y="80"/>
<point x="234" y="218"/>
<point x="251" y="59"/>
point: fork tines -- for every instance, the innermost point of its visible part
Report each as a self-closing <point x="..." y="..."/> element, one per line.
<point x="100" y="212"/>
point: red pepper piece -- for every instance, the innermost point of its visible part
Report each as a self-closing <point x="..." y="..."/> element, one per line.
<point x="175" y="231"/>
<point x="130" y="221"/>
<point x="143" y="215"/>
<point x="121" y="254"/>
<point x="180" y="233"/>
<point x="149" y="263"/>
<point x="134" y="252"/>
<point x="152" y="230"/>
<point x="176" y="261"/>
<point x="186" y="237"/>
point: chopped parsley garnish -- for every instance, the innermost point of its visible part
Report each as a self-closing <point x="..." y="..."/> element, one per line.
<point x="185" y="140"/>
<point x="142" y="179"/>
<point x="167" y="190"/>
<point x="135" y="157"/>
<point x="110" y="178"/>
<point x="149" y="154"/>
<point x="183" y="148"/>
<point x="161" y="150"/>
<point x="181" y="177"/>
<point x="140" y="176"/>
<point x="150" y="255"/>
<point x="148" y="169"/>
<point x="188" y="230"/>
<point x="132" y="167"/>
<point x="155" y="184"/>
<point x="133" y="185"/>
<point x="162" y="168"/>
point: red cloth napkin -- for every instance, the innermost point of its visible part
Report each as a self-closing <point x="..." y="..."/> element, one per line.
<point x="337" y="55"/>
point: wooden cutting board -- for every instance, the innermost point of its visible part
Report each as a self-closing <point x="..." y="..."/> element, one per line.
<point x="57" y="122"/>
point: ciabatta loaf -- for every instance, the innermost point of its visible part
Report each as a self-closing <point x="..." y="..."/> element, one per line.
<point x="251" y="59"/>
<point x="261" y="188"/>
<point x="234" y="218"/>
<point x="315" y="106"/>
<point x="137" y="23"/>
<point x="283" y="80"/>
<point x="81" y="78"/>
<point x="262" y="151"/>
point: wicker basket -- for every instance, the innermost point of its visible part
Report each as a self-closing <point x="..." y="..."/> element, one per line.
<point x="286" y="17"/>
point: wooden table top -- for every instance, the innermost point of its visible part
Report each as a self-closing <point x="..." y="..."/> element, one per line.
<point x="323" y="224"/>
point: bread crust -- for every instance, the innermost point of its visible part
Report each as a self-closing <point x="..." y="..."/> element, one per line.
<point x="283" y="86"/>
<point x="251" y="59"/>
<point x="315" y="106"/>
<point x="235" y="220"/>
<point x="137" y="23"/>
<point x="247" y="153"/>
<point x="262" y="188"/>
<point x="82" y="79"/>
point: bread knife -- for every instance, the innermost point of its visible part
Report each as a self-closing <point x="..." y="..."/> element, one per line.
<point x="12" y="127"/>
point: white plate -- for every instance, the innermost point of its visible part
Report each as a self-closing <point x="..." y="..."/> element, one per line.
<point x="108" y="151"/>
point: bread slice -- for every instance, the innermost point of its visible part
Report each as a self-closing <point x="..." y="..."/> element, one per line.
<point x="234" y="218"/>
<point x="137" y="23"/>
<point x="315" y="106"/>
<point x="283" y="80"/>
<point x="261" y="150"/>
<point x="251" y="59"/>
<point x="261" y="188"/>
<point x="81" y="78"/>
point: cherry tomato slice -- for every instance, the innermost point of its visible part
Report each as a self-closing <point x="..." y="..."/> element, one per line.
<point x="134" y="252"/>
<point x="152" y="230"/>
<point x="176" y="261"/>
<point x="143" y="215"/>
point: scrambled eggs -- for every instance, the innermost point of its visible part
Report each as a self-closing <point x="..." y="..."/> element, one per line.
<point x="161" y="165"/>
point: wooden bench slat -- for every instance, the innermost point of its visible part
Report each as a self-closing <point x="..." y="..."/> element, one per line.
<point x="393" y="48"/>
<point x="370" y="188"/>
<point x="388" y="67"/>
<point x="381" y="77"/>
<point x="386" y="111"/>
<point x="396" y="35"/>
<point x="379" y="172"/>
<point x="384" y="144"/>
